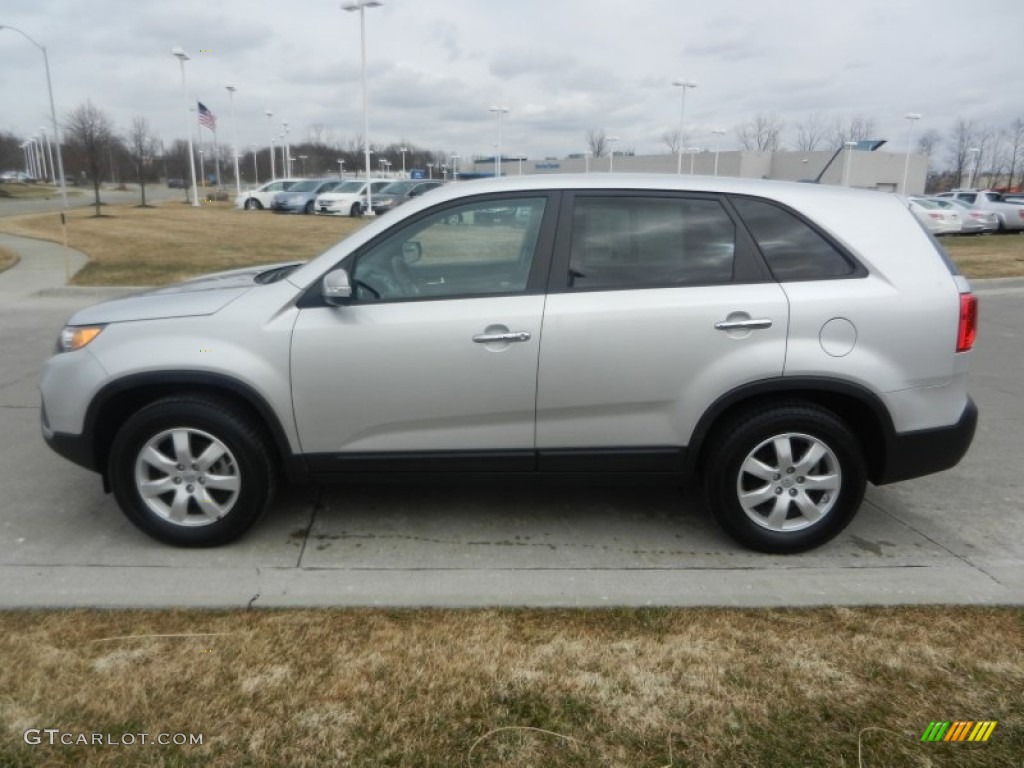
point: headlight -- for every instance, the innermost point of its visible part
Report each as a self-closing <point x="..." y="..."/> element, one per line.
<point x="74" y="337"/>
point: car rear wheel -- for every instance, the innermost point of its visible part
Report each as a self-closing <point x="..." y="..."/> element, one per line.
<point x="252" y="204"/>
<point x="309" y="207"/>
<point x="784" y="478"/>
<point x="191" y="471"/>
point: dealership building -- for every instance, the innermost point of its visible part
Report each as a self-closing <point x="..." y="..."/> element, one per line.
<point x="858" y="167"/>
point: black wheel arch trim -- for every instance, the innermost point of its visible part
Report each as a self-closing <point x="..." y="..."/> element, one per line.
<point x="815" y="389"/>
<point x="97" y="434"/>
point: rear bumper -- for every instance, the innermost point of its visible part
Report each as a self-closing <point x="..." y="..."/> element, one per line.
<point x="915" y="454"/>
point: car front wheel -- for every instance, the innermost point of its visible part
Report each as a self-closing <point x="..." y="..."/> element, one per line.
<point x="191" y="471"/>
<point x="252" y="204"/>
<point x="784" y="478"/>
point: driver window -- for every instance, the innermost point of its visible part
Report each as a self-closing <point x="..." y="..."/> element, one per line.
<point x="486" y="247"/>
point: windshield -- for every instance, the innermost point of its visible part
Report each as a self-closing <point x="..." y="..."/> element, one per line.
<point x="399" y="187"/>
<point x="305" y="186"/>
<point x="350" y="186"/>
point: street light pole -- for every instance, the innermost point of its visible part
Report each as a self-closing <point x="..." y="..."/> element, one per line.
<point x="911" y="118"/>
<point x="683" y="85"/>
<point x="719" y="133"/>
<point x="273" y="171"/>
<point x="611" y="153"/>
<point x="455" y="167"/>
<point x="846" y="161"/>
<point x="182" y="57"/>
<point x="53" y="120"/>
<point x="403" y="150"/>
<point x="361" y="6"/>
<point x="341" y="168"/>
<point x="497" y="154"/>
<point x="234" y="137"/>
<point x="977" y="155"/>
<point x="255" y="168"/>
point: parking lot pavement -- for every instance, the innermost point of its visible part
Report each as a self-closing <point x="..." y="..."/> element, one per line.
<point x="950" y="538"/>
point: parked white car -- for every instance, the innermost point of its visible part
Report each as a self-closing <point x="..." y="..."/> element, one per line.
<point x="263" y="197"/>
<point x="348" y="199"/>
<point x="938" y="219"/>
<point x="1010" y="215"/>
<point x="973" y="220"/>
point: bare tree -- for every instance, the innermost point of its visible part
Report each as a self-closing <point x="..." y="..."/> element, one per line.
<point x="811" y="132"/>
<point x="856" y="128"/>
<point x="91" y="133"/>
<point x="673" y="139"/>
<point x="1015" y="136"/>
<point x="928" y="141"/>
<point x="597" y="142"/>
<point x="961" y="139"/>
<point x="142" y="146"/>
<point x="760" y="134"/>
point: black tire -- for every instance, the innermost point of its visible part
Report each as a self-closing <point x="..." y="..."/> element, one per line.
<point x="355" y="210"/>
<point x="207" y="422"/>
<point x="830" y="489"/>
<point x="252" y="204"/>
<point x="309" y="208"/>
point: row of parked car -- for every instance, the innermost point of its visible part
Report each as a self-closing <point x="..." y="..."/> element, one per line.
<point x="970" y="212"/>
<point x="334" y="197"/>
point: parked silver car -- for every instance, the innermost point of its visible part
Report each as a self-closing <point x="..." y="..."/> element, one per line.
<point x="751" y="333"/>
<point x="1010" y="215"/>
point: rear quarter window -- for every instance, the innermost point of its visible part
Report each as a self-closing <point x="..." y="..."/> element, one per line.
<point x="793" y="249"/>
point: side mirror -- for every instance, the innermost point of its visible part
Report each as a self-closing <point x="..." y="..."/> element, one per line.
<point x="412" y="251"/>
<point x="336" y="288"/>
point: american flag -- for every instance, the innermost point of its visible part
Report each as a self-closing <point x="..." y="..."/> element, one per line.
<point x="206" y="117"/>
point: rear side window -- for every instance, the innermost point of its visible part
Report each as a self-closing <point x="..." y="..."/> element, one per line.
<point x="634" y="242"/>
<point x="792" y="248"/>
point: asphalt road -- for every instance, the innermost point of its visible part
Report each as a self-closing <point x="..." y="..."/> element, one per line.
<point x="949" y="538"/>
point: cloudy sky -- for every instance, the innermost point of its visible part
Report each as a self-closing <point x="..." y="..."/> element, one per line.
<point x="561" y="66"/>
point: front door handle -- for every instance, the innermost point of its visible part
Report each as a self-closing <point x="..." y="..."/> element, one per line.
<point x="493" y="338"/>
<point x="743" y="325"/>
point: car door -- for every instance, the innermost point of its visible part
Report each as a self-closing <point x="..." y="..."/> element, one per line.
<point x="433" y="362"/>
<point x="657" y="307"/>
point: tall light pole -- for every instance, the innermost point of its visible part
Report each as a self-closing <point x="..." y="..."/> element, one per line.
<point x="977" y="157"/>
<point x="30" y="155"/>
<point x="611" y="152"/>
<point x="49" y="153"/>
<point x="341" y="168"/>
<point x="287" y="149"/>
<point x="430" y="170"/>
<point x="586" y="160"/>
<point x="361" y="6"/>
<point x="273" y="172"/>
<point x="53" y="120"/>
<point x="692" y="152"/>
<point x="719" y="133"/>
<point x="255" y="168"/>
<point x="682" y="84"/>
<point x="846" y="161"/>
<point x="497" y="154"/>
<point x="234" y="138"/>
<point x="182" y="57"/>
<point x="911" y="118"/>
<point x="403" y="150"/>
<point x="455" y="167"/>
<point x="520" y="165"/>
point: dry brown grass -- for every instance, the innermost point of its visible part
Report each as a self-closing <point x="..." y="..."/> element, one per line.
<point x="128" y="245"/>
<point x="7" y="259"/>
<point x="33" y="191"/>
<point x="987" y="255"/>
<point x="706" y="687"/>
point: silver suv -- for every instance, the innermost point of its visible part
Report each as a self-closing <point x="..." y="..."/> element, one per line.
<point x="783" y="342"/>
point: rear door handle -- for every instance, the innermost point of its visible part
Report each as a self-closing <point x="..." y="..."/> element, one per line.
<point x="492" y="338"/>
<point x="741" y="325"/>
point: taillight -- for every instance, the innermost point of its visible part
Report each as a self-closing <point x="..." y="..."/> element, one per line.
<point x="1021" y="213"/>
<point x="935" y="215"/>
<point x="968" y="327"/>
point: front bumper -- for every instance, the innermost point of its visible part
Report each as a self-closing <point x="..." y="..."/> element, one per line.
<point x="924" y="452"/>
